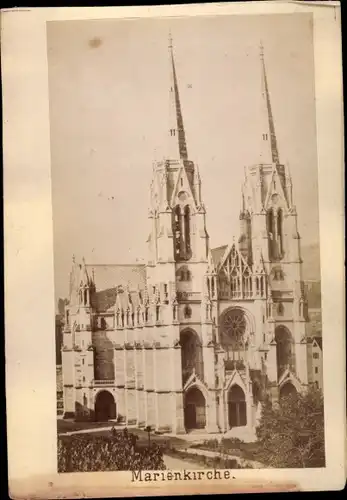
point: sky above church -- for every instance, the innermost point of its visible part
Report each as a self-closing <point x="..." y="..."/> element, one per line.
<point x="109" y="99"/>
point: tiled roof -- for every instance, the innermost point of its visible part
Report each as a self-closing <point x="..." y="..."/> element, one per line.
<point x="217" y="254"/>
<point x="107" y="277"/>
<point x="104" y="299"/>
<point x="319" y="341"/>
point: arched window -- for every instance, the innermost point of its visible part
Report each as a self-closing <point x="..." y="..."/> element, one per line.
<point x="183" y="274"/>
<point x="188" y="312"/>
<point x="284" y="350"/>
<point x="270" y="230"/>
<point x="275" y="233"/>
<point x="191" y="355"/>
<point x="181" y="232"/>
<point x="280" y="309"/>
<point x="280" y="232"/>
<point x="187" y="232"/>
<point x="177" y="231"/>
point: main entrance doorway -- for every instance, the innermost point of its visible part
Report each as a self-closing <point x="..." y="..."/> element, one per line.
<point x="194" y="410"/>
<point x="105" y="407"/>
<point x="236" y="407"/>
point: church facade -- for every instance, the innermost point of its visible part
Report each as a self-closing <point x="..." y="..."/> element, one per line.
<point x="196" y="338"/>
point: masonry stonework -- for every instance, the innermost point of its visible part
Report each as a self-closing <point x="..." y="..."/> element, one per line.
<point x="195" y="339"/>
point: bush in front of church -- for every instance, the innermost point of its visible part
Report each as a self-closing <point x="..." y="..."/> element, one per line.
<point x="116" y="451"/>
<point x="291" y="432"/>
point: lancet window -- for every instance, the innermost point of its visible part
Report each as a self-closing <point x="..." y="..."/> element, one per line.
<point x="275" y="233"/>
<point x="183" y="274"/>
<point x="181" y="232"/>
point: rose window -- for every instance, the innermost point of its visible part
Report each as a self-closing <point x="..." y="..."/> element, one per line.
<point x="234" y="328"/>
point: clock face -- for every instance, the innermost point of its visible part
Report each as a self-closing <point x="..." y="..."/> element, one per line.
<point x="275" y="198"/>
<point x="182" y="196"/>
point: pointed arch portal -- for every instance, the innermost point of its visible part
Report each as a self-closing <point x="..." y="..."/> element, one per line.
<point x="284" y="350"/>
<point x="287" y="390"/>
<point x="191" y="355"/>
<point x="237" y="415"/>
<point x="105" y="407"/>
<point x="194" y="410"/>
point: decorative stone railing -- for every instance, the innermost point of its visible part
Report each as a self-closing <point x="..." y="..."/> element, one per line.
<point x="188" y="295"/>
<point x="102" y="382"/>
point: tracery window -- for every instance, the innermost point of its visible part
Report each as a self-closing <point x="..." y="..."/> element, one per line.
<point x="274" y="220"/>
<point x="284" y="350"/>
<point x="187" y="232"/>
<point x="181" y="232"/>
<point x="233" y="334"/>
<point x="177" y="231"/>
<point x="235" y="277"/>
<point x="184" y="274"/>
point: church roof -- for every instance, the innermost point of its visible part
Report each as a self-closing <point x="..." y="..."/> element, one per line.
<point x="217" y="254"/>
<point x="318" y="341"/>
<point x="113" y="280"/>
<point x="110" y="276"/>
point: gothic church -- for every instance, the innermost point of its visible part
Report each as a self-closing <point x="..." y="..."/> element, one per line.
<point x="194" y="339"/>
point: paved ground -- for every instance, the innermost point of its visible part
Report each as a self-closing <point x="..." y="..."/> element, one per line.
<point x="181" y="464"/>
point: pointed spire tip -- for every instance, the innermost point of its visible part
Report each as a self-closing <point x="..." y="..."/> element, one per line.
<point x="261" y="49"/>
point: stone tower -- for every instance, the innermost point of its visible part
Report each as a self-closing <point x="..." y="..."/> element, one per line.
<point x="77" y="351"/>
<point x="179" y="263"/>
<point x="269" y="237"/>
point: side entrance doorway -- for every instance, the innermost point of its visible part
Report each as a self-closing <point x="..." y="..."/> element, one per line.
<point x="105" y="407"/>
<point x="237" y="414"/>
<point x="194" y="410"/>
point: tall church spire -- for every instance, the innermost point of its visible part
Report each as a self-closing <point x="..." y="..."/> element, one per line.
<point x="177" y="140"/>
<point x="269" y="150"/>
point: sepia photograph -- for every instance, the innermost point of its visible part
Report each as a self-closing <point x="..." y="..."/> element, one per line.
<point x="188" y="319"/>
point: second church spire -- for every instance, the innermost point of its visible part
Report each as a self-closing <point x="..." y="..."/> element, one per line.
<point x="177" y="139"/>
<point x="269" y="150"/>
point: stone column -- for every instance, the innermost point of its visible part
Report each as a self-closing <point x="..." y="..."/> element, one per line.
<point x="156" y="352"/>
<point x="211" y="413"/>
<point x="271" y="363"/>
<point x="120" y="382"/>
<point x="177" y="393"/>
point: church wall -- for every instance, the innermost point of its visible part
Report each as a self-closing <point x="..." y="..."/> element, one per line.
<point x="163" y="373"/>
<point x="104" y="365"/>
<point x="164" y="272"/>
<point x="68" y="366"/>
<point x="130" y="367"/>
<point x="119" y="354"/>
<point x="131" y="402"/>
<point x="164" y="411"/>
<point x="121" y="404"/>
<point x="151" y="408"/>
<point x="283" y="310"/>
<point x="149" y="364"/>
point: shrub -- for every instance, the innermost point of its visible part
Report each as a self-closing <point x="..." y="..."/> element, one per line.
<point x="291" y="433"/>
<point x="118" y="451"/>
